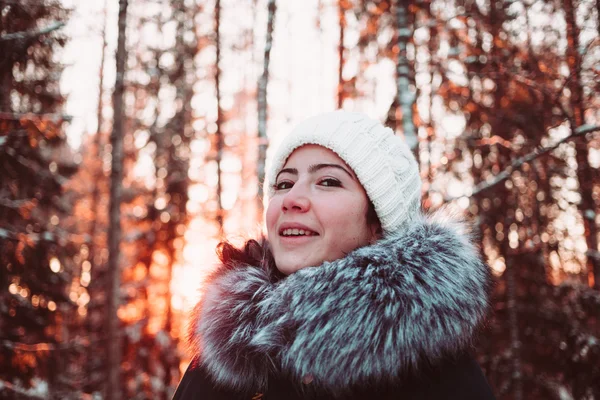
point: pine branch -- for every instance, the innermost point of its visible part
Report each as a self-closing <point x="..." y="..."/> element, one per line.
<point x="556" y="389"/>
<point x="33" y="237"/>
<point x="13" y="389"/>
<point x="29" y="347"/>
<point x="32" y="34"/>
<point x="593" y="253"/>
<point x="80" y="342"/>
<point x="518" y="163"/>
<point x="33" y="116"/>
<point x="15" y="204"/>
<point x="35" y="169"/>
<point x="54" y="237"/>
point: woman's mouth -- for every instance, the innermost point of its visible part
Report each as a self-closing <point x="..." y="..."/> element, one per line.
<point x="291" y="232"/>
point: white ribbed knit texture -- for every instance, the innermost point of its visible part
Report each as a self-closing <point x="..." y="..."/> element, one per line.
<point x="382" y="162"/>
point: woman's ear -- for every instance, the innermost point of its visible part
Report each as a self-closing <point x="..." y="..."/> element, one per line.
<point x="376" y="232"/>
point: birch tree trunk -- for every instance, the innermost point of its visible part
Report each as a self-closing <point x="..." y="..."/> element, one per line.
<point x="406" y="99"/>
<point x="113" y="384"/>
<point x="342" y="18"/>
<point x="584" y="172"/>
<point x="219" y="133"/>
<point x="262" y="105"/>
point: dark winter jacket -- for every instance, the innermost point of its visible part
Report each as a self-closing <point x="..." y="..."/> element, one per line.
<point x="394" y="319"/>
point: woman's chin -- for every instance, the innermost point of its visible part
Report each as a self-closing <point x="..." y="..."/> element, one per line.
<point x="288" y="267"/>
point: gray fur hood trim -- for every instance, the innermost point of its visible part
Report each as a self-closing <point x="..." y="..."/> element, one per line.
<point x="384" y="310"/>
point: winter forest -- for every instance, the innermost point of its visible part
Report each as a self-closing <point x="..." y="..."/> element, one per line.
<point x="134" y="135"/>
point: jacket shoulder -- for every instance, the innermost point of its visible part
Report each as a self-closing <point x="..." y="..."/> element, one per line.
<point x="456" y="379"/>
<point x="460" y="379"/>
<point x="197" y="385"/>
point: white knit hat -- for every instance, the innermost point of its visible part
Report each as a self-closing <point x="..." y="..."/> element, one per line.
<point x="382" y="162"/>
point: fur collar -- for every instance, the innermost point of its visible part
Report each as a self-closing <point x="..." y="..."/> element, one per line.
<point x="381" y="312"/>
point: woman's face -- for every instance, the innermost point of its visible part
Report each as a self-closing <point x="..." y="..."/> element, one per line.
<point x="318" y="212"/>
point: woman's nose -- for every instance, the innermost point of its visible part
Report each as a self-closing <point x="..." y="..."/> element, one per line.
<point x="296" y="199"/>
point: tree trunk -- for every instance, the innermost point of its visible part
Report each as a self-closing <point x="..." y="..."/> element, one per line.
<point x="98" y="145"/>
<point x="113" y="387"/>
<point x="513" y="322"/>
<point x="598" y="16"/>
<point x="501" y="128"/>
<point x="584" y="172"/>
<point x="219" y="133"/>
<point x="6" y="83"/>
<point x="178" y="164"/>
<point x="262" y="105"/>
<point x="433" y="67"/>
<point x="342" y="18"/>
<point x="406" y="98"/>
<point x="99" y="116"/>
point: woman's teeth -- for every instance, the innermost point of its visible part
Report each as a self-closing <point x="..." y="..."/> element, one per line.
<point x="297" y="232"/>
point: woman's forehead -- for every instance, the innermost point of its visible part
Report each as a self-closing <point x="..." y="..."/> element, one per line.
<point x="312" y="158"/>
<point x="311" y="154"/>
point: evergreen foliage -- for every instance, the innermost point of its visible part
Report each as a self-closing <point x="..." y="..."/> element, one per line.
<point x="503" y="97"/>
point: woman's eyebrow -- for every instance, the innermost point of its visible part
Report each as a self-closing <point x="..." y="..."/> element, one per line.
<point x="293" y="171"/>
<point x="315" y="167"/>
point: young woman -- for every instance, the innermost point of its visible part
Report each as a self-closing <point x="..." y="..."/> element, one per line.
<point x="356" y="294"/>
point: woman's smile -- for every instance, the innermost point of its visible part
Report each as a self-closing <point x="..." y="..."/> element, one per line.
<point x="297" y="232"/>
<point x="295" y="229"/>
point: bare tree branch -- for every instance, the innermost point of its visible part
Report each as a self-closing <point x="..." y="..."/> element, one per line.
<point x="518" y="163"/>
<point x="32" y="34"/>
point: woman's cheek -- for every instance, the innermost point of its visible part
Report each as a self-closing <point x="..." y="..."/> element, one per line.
<point x="271" y="215"/>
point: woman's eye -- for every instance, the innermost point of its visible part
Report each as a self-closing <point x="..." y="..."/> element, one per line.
<point x="330" y="182"/>
<point x="283" y="185"/>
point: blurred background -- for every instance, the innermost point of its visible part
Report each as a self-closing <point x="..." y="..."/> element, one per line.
<point x="134" y="133"/>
